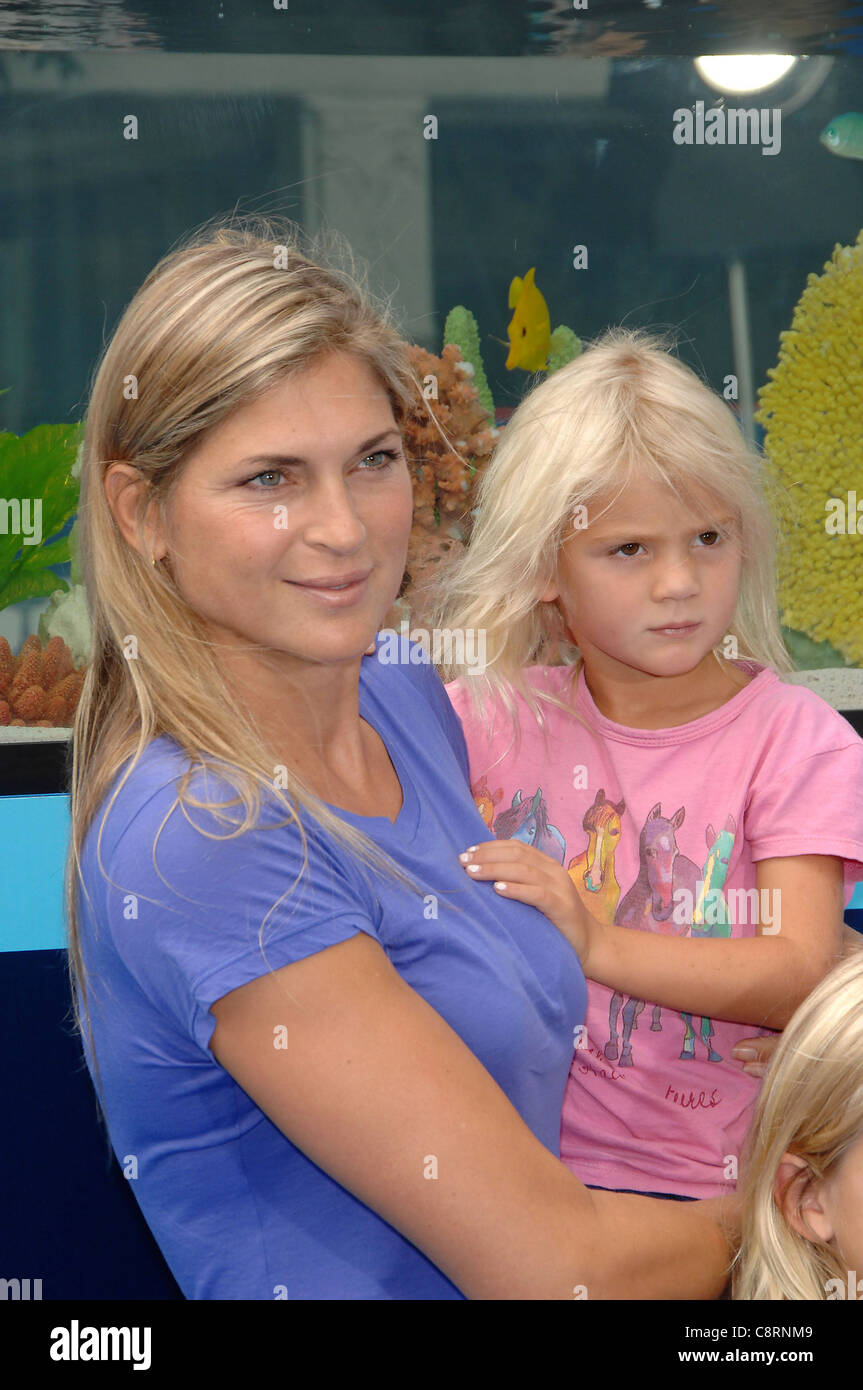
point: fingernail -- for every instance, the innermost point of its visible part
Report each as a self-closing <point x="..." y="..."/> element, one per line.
<point x="463" y="858"/>
<point x="473" y="868"/>
<point x="747" y="1054"/>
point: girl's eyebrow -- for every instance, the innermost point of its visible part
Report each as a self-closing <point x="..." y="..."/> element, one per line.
<point x="626" y="528"/>
<point x="295" y="460"/>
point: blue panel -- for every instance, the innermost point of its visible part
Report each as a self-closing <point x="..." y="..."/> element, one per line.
<point x="34" y="837"/>
<point x="69" y="1217"/>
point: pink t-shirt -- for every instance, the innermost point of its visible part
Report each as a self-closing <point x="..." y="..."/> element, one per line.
<point x="661" y="828"/>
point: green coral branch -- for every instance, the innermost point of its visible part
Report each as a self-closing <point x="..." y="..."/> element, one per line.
<point x="562" y="348"/>
<point x="462" y="330"/>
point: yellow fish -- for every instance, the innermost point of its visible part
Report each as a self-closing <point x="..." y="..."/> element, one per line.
<point x="530" y="328"/>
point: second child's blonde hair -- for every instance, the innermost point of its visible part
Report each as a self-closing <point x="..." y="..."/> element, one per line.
<point x="626" y="409"/>
<point x="810" y="1105"/>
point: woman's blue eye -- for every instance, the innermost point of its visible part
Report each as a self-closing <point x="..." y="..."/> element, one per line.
<point x="387" y="455"/>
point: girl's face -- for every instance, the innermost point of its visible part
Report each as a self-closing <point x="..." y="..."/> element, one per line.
<point x="645" y="564"/>
<point x="830" y="1210"/>
<point x="843" y="1195"/>
<point x="309" y="482"/>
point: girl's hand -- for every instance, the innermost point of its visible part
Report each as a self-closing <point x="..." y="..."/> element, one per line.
<point x="520" y="871"/>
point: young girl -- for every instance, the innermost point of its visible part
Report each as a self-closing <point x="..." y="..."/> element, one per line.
<point x="802" y="1184"/>
<point x="691" y="822"/>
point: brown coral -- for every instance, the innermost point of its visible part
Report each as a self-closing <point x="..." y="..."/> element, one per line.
<point x="39" y="687"/>
<point x="445" y="471"/>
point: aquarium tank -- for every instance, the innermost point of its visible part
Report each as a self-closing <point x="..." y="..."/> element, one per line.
<point x="516" y="178"/>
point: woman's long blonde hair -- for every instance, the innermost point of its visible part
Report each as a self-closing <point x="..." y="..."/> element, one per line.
<point x="625" y="409"/>
<point x="810" y="1105"/>
<point x="231" y="312"/>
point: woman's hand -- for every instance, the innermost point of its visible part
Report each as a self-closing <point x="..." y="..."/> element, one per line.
<point x="522" y="872"/>
<point x="755" y="1053"/>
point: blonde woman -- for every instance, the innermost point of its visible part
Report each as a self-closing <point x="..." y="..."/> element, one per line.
<point x="802" y="1185"/>
<point x="330" y="1068"/>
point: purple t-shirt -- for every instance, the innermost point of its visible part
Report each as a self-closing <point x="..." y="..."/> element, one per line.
<point x="238" y="1211"/>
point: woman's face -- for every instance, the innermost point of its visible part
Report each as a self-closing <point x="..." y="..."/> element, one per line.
<point x="309" y="482"/>
<point x="645" y="563"/>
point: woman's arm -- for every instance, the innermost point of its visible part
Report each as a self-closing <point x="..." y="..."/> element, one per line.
<point x="374" y="1085"/>
<point x="759" y="980"/>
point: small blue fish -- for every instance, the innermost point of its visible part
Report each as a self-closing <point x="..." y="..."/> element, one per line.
<point x="844" y="135"/>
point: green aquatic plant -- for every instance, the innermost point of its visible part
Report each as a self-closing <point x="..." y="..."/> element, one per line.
<point x="38" y="497"/>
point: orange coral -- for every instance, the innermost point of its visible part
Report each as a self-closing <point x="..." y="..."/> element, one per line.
<point x="445" y="472"/>
<point x="39" y="687"/>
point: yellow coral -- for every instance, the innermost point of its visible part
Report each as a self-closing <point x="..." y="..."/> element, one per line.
<point x="812" y="410"/>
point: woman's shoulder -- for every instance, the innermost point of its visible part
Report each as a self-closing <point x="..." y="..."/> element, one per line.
<point x="145" y="788"/>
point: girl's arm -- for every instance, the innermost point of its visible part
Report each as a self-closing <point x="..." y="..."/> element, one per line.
<point x="759" y="980"/>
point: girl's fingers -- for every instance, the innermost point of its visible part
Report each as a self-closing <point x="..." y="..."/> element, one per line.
<point x="508" y="848"/>
<point x="523" y="892"/>
<point x="512" y="868"/>
<point x="502" y="869"/>
<point x="511" y="852"/>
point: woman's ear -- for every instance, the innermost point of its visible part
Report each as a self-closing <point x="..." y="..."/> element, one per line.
<point x="550" y="594"/>
<point x="123" y="484"/>
<point x="800" y="1198"/>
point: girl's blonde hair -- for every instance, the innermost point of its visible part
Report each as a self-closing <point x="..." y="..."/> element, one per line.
<point x="235" y="309"/>
<point x="625" y="409"/>
<point x="811" y="1105"/>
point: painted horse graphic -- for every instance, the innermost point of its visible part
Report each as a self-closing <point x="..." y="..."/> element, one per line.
<point x="486" y="800"/>
<point x="592" y="871"/>
<point x="527" y="820"/>
<point x="648" y="906"/>
<point x="710" y="918"/>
